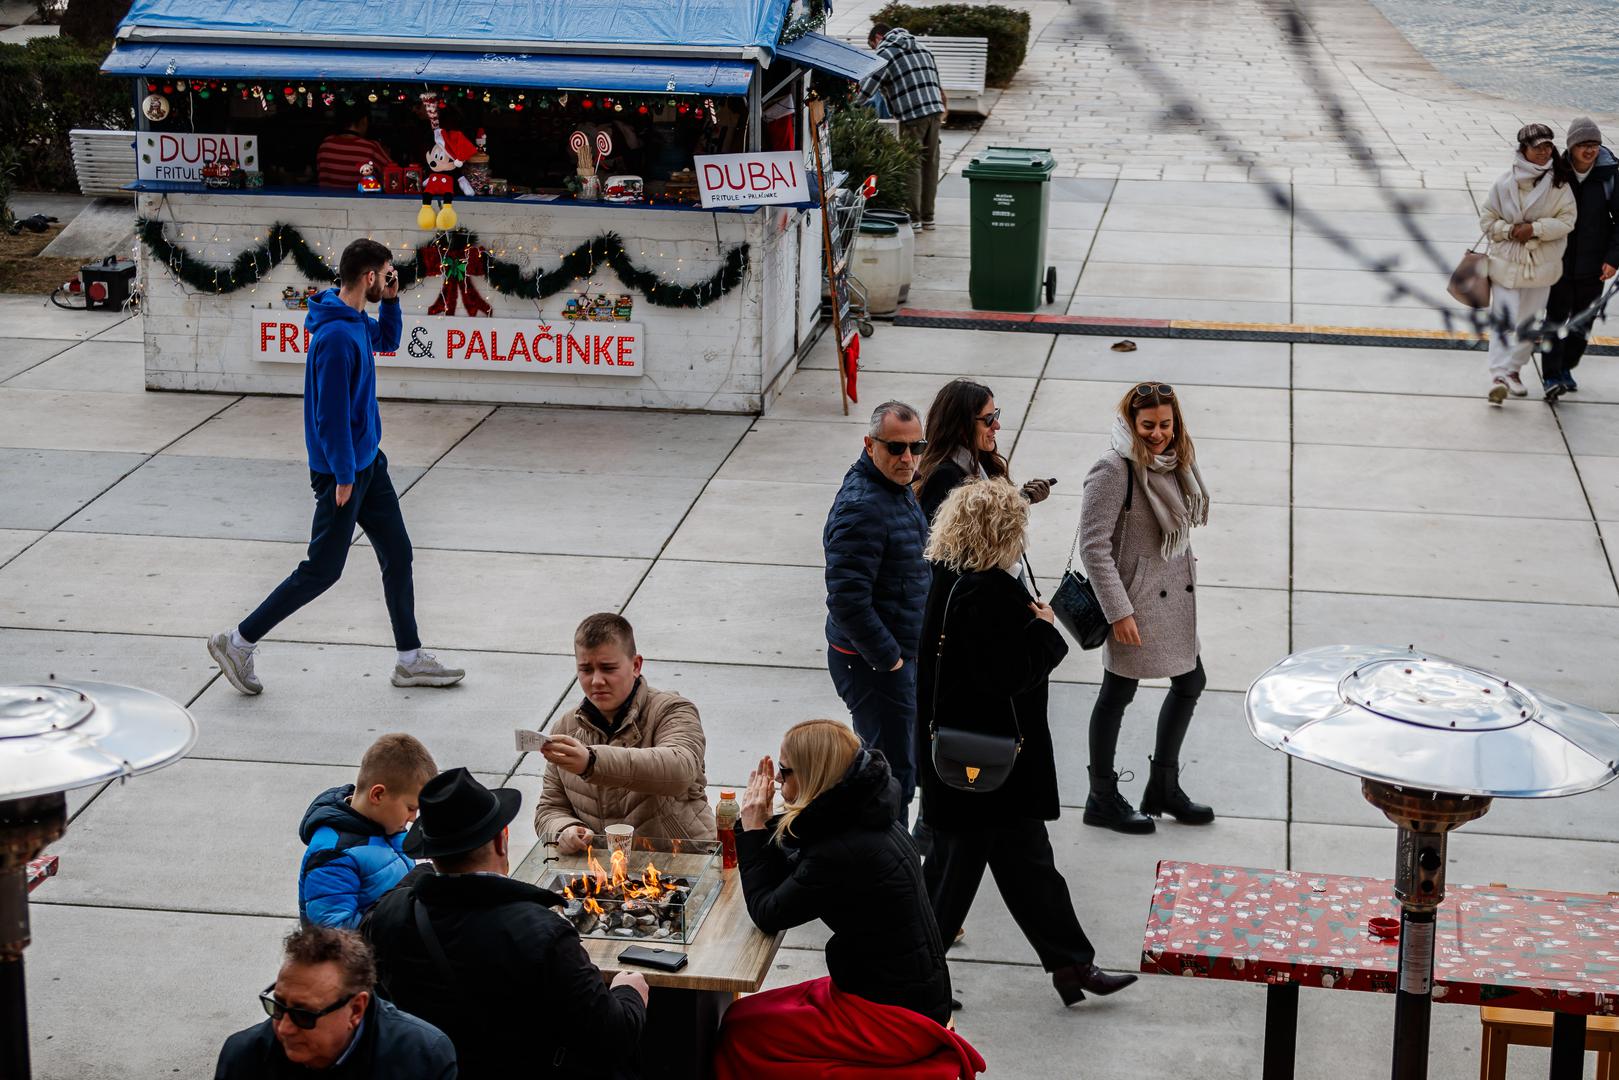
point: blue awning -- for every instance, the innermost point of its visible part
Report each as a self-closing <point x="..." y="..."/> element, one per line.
<point x="832" y="56"/>
<point x="561" y="72"/>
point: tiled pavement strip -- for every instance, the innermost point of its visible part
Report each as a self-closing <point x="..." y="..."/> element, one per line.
<point x="1360" y="494"/>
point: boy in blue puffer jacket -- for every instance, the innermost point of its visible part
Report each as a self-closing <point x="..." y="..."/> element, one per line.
<point x="354" y="833"/>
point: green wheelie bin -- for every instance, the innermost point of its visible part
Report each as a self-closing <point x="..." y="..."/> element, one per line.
<point x="1010" y="191"/>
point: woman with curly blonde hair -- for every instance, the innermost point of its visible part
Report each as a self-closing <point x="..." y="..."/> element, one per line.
<point x="988" y="650"/>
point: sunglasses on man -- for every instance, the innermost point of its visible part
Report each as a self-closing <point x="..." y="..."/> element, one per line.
<point x="898" y="448"/>
<point x="305" y="1019"/>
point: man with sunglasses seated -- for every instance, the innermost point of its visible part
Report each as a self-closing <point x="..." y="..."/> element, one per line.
<point x="876" y="587"/>
<point x="326" y="1019"/>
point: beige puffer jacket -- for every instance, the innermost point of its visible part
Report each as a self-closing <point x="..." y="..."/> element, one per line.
<point x="1537" y="261"/>
<point x="650" y="774"/>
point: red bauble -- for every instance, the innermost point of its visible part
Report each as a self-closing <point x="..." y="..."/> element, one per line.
<point x="587" y="104"/>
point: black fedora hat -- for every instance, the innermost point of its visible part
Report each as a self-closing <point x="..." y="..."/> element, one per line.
<point x="459" y="814"/>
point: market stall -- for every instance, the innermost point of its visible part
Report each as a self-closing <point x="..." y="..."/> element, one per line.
<point x="536" y="168"/>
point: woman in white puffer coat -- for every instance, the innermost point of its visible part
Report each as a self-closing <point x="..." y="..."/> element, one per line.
<point x="1527" y="218"/>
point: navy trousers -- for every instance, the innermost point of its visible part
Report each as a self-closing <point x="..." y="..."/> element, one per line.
<point x="882" y="705"/>
<point x="373" y="505"/>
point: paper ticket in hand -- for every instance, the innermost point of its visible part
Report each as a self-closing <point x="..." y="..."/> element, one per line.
<point x="531" y="740"/>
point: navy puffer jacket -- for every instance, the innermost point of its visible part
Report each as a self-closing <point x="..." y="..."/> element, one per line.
<point x="876" y="579"/>
<point x="1595" y="239"/>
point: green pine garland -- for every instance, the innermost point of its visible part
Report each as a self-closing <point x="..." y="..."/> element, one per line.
<point x="508" y="278"/>
<point x="813" y="19"/>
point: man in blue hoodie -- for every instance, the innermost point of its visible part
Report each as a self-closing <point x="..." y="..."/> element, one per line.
<point x="348" y="472"/>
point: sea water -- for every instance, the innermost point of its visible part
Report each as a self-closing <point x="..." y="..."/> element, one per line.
<point x="1555" y="52"/>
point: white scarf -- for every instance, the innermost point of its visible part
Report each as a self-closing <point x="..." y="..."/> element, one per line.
<point x="1513" y="199"/>
<point x="1176" y="493"/>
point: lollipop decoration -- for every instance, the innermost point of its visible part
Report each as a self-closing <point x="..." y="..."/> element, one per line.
<point x="604" y="146"/>
<point x="589" y="182"/>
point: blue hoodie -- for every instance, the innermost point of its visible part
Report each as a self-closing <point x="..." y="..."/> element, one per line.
<point x="341" y="423"/>
<point x="349" y="863"/>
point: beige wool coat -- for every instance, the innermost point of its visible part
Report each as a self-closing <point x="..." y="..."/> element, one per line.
<point x="1120" y="552"/>
<point x="649" y="774"/>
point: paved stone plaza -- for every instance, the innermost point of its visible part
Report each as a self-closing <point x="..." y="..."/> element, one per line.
<point x="1360" y="494"/>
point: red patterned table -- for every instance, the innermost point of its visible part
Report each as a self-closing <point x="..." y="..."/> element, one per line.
<point x="41" y="868"/>
<point x="1514" y="948"/>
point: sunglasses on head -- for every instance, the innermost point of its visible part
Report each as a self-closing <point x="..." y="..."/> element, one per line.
<point x="305" y="1019"/>
<point x="1148" y="389"/>
<point x="898" y="448"/>
<point x="988" y="419"/>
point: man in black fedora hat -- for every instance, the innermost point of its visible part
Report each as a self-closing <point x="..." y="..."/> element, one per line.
<point x="484" y="958"/>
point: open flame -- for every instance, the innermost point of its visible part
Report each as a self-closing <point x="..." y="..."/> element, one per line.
<point x="615" y="882"/>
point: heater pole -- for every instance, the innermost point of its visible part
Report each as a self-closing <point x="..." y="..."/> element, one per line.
<point x="1413" y="1000"/>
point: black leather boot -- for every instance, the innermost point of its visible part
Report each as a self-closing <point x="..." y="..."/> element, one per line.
<point x="1164" y="796"/>
<point x="1072" y="982"/>
<point x="1107" y="809"/>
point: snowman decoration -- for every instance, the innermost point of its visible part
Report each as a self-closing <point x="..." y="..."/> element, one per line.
<point x="446" y="158"/>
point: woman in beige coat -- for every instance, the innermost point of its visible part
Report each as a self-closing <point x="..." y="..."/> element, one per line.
<point x="1527" y="218"/>
<point x="1143" y="497"/>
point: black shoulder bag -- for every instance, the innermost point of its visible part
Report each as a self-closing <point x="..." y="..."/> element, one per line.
<point x="1075" y="602"/>
<point x="969" y="760"/>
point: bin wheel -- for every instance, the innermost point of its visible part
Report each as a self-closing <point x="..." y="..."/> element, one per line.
<point x="866" y="329"/>
<point x="1051" y="284"/>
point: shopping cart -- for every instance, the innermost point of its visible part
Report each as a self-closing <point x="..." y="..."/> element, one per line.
<point x="847" y="206"/>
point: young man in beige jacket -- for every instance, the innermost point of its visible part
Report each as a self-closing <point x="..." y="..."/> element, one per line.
<point x="628" y="754"/>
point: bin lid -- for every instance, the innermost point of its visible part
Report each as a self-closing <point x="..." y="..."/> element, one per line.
<point x="1012" y="163"/>
<point x="878" y="227"/>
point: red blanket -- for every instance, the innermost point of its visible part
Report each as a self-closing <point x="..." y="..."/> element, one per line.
<point x="812" y="1031"/>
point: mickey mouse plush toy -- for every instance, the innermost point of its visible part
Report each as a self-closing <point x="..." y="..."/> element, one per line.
<point x="451" y="150"/>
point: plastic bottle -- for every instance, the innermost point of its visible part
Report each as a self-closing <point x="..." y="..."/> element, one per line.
<point x="726" y="813"/>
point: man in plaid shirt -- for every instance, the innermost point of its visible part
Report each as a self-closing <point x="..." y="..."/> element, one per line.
<point x="910" y="86"/>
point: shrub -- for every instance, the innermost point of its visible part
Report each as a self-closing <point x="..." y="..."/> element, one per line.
<point x="861" y="144"/>
<point x="48" y="87"/>
<point x="1006" y="28"/>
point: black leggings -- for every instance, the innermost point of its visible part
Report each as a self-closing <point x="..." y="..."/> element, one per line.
<point x="1173" y="719"/>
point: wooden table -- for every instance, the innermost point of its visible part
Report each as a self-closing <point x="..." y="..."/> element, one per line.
<point x="728" y="956"/>
<point x="1549" y="951"/>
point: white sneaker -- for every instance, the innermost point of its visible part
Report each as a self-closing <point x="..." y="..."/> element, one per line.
<point x="1515" y="386"/>
<point x="1498" y="390"/>
<point x="426" y="670"/>
<point x="235" y="664"/>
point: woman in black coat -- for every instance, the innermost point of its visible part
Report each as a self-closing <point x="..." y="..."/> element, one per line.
<point x="961" y="435"/>
<point x="840" y="853"/>
<point x="999" y="646"/>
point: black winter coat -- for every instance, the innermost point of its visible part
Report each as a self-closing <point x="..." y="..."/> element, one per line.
<point x="998" y="658"/>
<point x="876" y="578"/>
<point x="1595" y="239"/>
<point x="850" y="863"/>
<point x="393" y="1046"/>
<point x="525" y="999"/>
<point x="939" y="484"/>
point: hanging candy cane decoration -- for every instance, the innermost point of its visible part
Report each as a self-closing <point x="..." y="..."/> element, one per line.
<point x="604" y="145"/>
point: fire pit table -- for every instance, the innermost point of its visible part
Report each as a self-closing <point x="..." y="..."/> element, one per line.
<point x="686" y="903"/>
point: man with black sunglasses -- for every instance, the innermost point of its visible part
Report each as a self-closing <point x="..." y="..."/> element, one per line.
<point x="876" y="587"/>
<point x="324" y="1018"/>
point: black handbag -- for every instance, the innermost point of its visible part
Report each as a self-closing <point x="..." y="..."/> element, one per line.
<point x="1075" y="602"/>
<point x="969" y="760"/>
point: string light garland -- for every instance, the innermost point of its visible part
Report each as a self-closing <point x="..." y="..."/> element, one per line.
<point x="810" y="21"/>
<point x="507" y="278"/>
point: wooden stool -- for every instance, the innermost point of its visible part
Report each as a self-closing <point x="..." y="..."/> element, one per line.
<point x="1527" y="1027"/>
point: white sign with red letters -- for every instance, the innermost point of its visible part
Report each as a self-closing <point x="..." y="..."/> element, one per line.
<point x="558" y="347"/>
<point x="179" y="156"/>
<point x="751" y="179"/>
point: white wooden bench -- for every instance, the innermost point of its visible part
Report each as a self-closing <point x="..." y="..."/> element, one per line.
<point x="104" y="160"/>
<point x="963" y="63"/>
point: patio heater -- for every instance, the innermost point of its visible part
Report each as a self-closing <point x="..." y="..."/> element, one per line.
<point x="1433" y="741"/>
<point x="53" y="739"/>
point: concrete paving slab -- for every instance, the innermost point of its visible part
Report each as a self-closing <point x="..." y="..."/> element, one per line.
<point x="596" y="514"/>
<point x="123" y="848"/>
<point x="1598" y="380"/>
<point x="589" y="441"/>
<point x="1348" y="197"/>
<point x="1214" y="363"/>
<point x="36" y="317"/>
<point x="1192" y="282"/>
<point x="297" y="720"/>
<point x="796" y="451"/>
<point x="272" y="429"/>
<point x="81" y="420"/>
<point x="117" y="367"/>
<point x="1190" y="193"/>
<point x="178" y="668"/>
<point x="228" y="498"/>
<point x="1197" y="219"/>
<point x="1242" y="632"/>
<point x="944" y="300"/>
<point x="1592" y="430"/>
<point x="1394" y="316"/>
<point x="93" y="1008"/>
<point x="24" y="353"/>
<point x="1375" y="224"/>
<point x="978" y="354"/>
<point x="1452" y="556"/>
<point x="193" y="588"/>
<point x="1242" y="311"/>
<point x="13" y="541"/>
<point x="522" y="836"/>
<point x="742" y="521"/>
<point x="1215" y="412"/>
<point x="1237" y="470"/>
<point x="41" y="488"/>
<point x="1318" y="252"/>
<point x="813" y="395"/>
<point x="1443" y="482"/>
<point x="1199" y="248"/>
<point x="764" y="618"/>
<point x="129" y="329"/>
<point x="1434" y="423"/>
<point x="1424" y="372"/>
<point x="1509" y="638"/>
<point x="1364" y="288"/>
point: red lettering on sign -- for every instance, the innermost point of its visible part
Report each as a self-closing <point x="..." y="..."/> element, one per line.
<point x="266" y="332"/>
<point x="453" y="340"/>
<point x="544" y="339"/>
<point x="626" y="345"/>
<point x="577" y="347"/>
<point x="777" y="178"/>
<point x="494" y="347"/>
<point x="289" y="337"/>
<point x="758" y="180"/>
<point x="713" y="175"/>
<point x="520" y="348"/>
<point x="475" y="346"/>
<point x="603" y="350"/>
